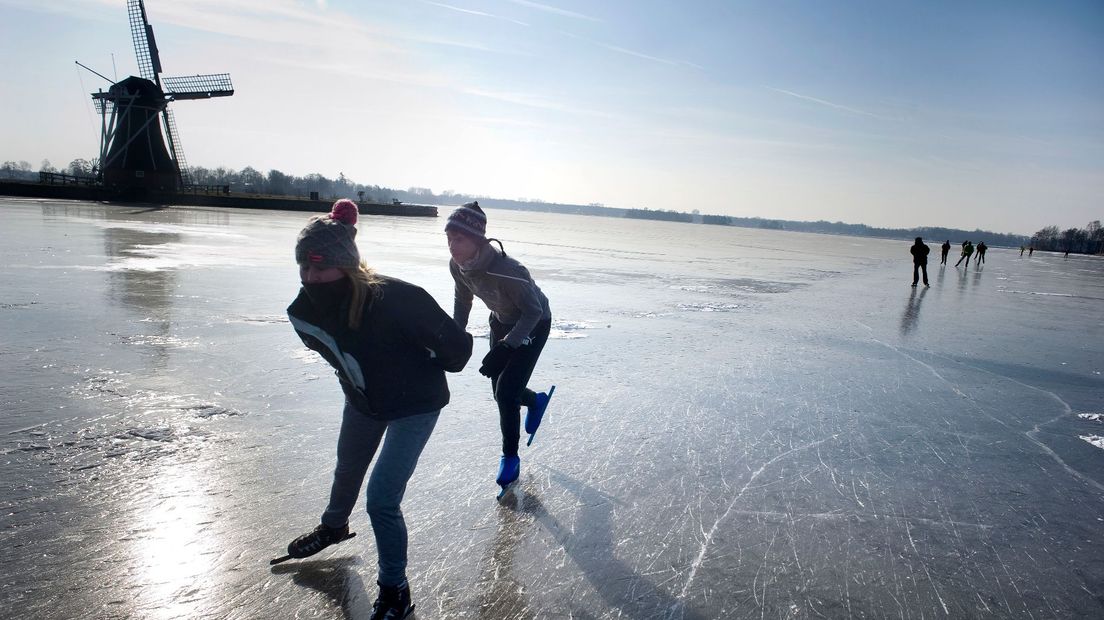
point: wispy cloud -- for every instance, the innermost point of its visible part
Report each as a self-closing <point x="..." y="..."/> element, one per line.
<point x="275" y="21"/>
<point x="363" y="71"/>
<point x="622" y="50"/>
<point x="473" y="12"/>
<point x="634" y="53"/>
<point x="827" y="103"/>
<point x="534" y="101"/>
<point x="81" y="9"/>
<point x="555" y="10"/>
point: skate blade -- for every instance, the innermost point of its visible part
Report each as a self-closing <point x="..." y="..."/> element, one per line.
<point x="285" y="558"/>
<point x="506" y="489"/>
<point x="551" y="391"/>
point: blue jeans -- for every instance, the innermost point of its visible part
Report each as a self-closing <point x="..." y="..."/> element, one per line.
<point x="356" y="445"/>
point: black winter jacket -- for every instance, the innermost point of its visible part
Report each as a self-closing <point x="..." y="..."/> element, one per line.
<point x="394" y="365"/>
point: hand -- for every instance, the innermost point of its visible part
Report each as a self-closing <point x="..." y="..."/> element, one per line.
<point x="496" y="360"/>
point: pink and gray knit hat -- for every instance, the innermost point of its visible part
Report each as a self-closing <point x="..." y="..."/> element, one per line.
<point x="330" y="240"/>
<point x="469" y="219"/>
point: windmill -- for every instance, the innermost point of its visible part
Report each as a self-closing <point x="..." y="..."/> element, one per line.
<point x="133" y="155"/>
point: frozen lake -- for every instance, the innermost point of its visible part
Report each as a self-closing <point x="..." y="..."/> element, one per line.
<point x="747" y="424"/>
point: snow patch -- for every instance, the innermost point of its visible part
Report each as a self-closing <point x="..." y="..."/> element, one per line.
<point x="260" y="319"/>
<point x="1008" y="290"/>
<point x="1095" y="440"/>
<point x="710" y="307"/>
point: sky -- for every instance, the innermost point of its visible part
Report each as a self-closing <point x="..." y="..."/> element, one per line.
<point x="981" y="114"/>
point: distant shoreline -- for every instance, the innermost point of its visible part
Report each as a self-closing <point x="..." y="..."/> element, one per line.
<point x="929" y="233"/>
<point x="96" y="193"/>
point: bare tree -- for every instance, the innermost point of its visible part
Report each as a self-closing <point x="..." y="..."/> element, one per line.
<point x="1096" y="237"/>
<point x="79" y="167"/>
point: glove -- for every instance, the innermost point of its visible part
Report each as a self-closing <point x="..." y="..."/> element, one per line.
<point x="496" y="360"/>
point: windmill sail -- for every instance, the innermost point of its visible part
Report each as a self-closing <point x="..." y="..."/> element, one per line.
<point x="198" y="86"/>
<point x="145" y="47"/>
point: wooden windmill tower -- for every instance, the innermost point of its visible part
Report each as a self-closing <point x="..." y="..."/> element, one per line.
<point x="133" y="153"/>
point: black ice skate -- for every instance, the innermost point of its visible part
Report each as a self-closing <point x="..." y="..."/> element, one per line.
<point x="314" y="541"/>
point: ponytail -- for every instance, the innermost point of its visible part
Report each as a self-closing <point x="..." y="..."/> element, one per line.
<point x="365" y="290"/>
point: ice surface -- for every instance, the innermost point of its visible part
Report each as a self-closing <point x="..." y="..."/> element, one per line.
<point x="747" y="424"/>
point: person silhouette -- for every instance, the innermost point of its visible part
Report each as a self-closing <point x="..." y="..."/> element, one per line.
<point x="946" y="248"/>
<point x="919" y="251"/>
<point x="981" y="247"/>
<point x="967" y="251"/>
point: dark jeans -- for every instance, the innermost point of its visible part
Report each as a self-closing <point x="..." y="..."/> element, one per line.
<point x="509" y="387"/>
<point x="916" y="267"/>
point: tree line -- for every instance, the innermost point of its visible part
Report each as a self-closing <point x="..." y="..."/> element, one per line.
<point x="249" y="180"/>
<point x="1087" y="240"/>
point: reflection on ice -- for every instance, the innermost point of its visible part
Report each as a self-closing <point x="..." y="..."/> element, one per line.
<point x="912" y="310"/>
<point x="168" y="544"/>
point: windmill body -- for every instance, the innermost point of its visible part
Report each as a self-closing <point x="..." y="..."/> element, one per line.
<point x="135" y="156"/>
<point x="133" y="153"/>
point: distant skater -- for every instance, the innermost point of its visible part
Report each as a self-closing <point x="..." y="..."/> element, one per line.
<point x="946" y="248"/>
<point x="967" y="252"/>
<point x="520" y="322"/>
<point x="1022" y="248"/>
<point x="919" y="251"/>
<point x="981" y="247"/>
<point x="390" y="345"/>
<point x="1030" y="251"/>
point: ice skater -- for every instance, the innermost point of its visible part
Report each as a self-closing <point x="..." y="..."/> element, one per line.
<point x="390" y="344"/>
<point x="946" y="247"/>
<point x="967" y="251"/>
<point x="981" y="247"/>
<point x="919" y="251"/>
<point x="520" y="322"/>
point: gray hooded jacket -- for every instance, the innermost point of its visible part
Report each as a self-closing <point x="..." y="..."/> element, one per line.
<point x="506" y="287"/>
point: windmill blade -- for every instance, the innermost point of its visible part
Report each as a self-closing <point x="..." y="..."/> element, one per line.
<point x="177" y="149"/>
<point x="198" y="86"/>
<point x="103" y="104"/>
<point x="145" y="47"/>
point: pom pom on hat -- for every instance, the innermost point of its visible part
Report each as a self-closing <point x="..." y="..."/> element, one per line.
<point x="468" y="219"/>
<point x="345" y="211"/>
<point x="330" y="240"/>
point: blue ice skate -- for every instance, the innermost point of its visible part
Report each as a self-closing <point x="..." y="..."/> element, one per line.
<point x="534" y="414"/>
<point x="509" y="468"/>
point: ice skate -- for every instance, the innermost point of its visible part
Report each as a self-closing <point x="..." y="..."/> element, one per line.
<point x="535" y="414"/>
<point x="509" y="468"/>
<point x="393" y="603"/>
<point x="314" y="541"/>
